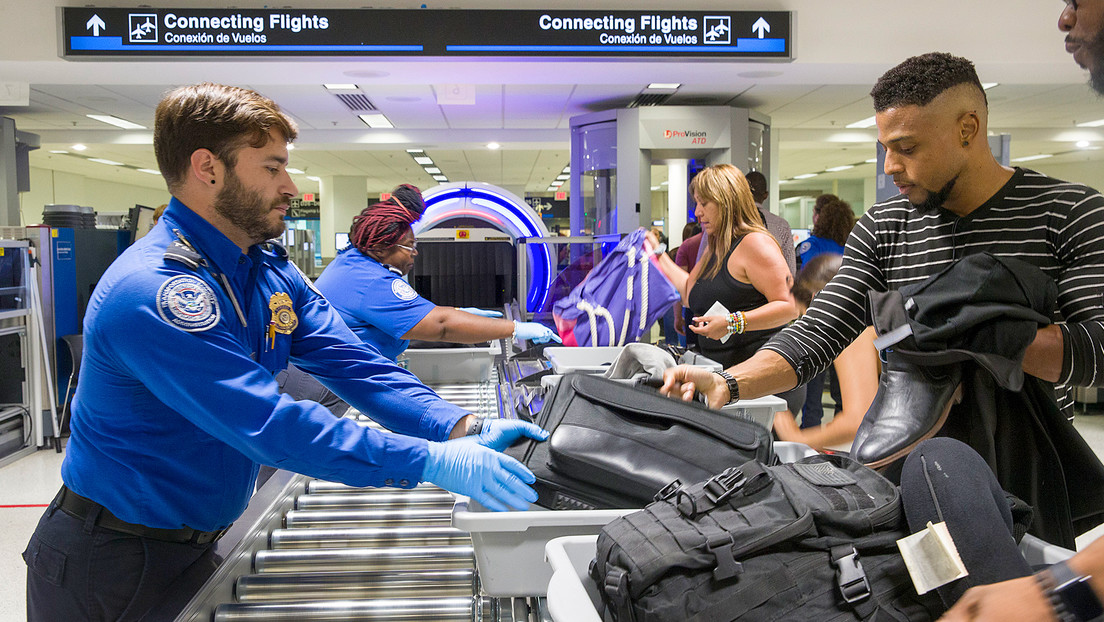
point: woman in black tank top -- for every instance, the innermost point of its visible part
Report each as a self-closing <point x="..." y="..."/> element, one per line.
<point x="742" y="268"/>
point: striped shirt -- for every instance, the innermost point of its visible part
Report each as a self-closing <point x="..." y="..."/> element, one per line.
<point x="1055" y="225"/>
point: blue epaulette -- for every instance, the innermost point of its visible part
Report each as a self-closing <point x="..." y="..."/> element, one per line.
<point x="275" y="248"/>
<point x="183" y="253"/>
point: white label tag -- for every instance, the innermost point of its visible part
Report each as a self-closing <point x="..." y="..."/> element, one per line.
<point x="931" y="558"/>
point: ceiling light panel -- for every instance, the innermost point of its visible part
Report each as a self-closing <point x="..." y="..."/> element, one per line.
<point x="116" y="121"/>
<point x="376" y="121"/>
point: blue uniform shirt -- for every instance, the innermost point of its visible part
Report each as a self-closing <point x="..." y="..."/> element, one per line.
<point x="177" y="404"/>
<point x="813" y="246"/>
<point x="375" y="302"/>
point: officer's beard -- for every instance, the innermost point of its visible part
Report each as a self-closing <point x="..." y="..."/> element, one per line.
<point x="247" y="209"/>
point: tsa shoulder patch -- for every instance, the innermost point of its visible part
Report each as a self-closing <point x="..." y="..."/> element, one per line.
<point x="188" y="303"/>
<point x="402" y="290"/>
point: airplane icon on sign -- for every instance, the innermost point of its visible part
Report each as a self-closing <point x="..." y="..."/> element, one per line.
<point x="143" y="28"/>
<point x="718" y="29"/>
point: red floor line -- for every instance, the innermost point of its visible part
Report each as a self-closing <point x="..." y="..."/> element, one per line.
<point x="28" y="505"/>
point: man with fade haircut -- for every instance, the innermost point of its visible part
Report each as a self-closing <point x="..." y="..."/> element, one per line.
<point x="955" y="201"/>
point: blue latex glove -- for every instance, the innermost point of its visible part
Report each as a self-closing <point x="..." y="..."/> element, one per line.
<point x="535" y="332"/>
<point x="498" y="434"/>
<point x="495" y="480"/>
<point x="480" y="312"/>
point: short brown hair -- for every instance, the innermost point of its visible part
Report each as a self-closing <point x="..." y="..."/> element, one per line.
<point x="216" y="117"/>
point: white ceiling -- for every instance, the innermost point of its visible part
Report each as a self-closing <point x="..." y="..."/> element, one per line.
<point x="526" y="105"/>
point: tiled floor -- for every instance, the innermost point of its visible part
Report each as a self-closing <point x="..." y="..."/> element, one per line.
<point x="30" y="481"/>
<point x="34" y="480"/>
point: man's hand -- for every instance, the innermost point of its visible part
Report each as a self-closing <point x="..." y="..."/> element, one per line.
<point x="1007" y="601"/>
<point x="683" y="381"/>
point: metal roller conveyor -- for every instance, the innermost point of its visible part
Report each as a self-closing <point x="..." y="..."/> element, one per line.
<point x="354" y="585"/>
<point x="397" y="558"/>
<point x="321" y="487"/>
<point x="377" y="517"/>
<point x="310" y="550"/>
<point x="363" y="537"/>
<point x="389" y="610"/>
<point x="395" y="499"/>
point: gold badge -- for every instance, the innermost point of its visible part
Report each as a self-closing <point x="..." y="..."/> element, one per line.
<point x="283" y="316"/>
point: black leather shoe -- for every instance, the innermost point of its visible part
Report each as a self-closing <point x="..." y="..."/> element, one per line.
<point x="911" y="405"/>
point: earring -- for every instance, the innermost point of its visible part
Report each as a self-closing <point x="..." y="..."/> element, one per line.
<point x="965" y="143"/>
<point x="212" y="182"/>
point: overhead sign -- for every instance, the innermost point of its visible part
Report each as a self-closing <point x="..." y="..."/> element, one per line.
<point x="91" y="32"/>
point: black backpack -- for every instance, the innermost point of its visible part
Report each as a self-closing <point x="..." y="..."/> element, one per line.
<point x="812" y="540"/>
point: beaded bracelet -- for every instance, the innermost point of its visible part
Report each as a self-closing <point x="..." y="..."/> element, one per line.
<point x="736" y="323"/>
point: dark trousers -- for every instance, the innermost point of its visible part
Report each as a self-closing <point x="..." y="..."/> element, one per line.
<point x="945" y="480"/>
<point x="812" y="414"/>
<point x="77" y="570"/>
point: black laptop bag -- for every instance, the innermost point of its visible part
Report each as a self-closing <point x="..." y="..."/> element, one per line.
<point x="615" y="445"/>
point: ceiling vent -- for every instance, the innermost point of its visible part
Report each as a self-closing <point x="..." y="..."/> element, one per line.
<point x="655" y="94"/>
<point x="650" y="99"/>
<point x="357" y="102"/>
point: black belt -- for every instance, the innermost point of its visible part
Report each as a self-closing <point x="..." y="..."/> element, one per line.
<point x="80" y="507"/>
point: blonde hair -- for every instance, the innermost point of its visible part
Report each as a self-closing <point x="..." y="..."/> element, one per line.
<point x="737" y="215"/>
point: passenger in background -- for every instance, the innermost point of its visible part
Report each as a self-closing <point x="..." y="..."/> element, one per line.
<point x="774" y="223"/>
<point x="685" y="256"/>
<point x="856" y="367"/>
<point x="364" y="284"/>
<point x="833" y="220"/>
<point x="742" y="268"/>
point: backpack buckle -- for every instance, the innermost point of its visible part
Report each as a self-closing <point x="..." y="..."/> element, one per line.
<point x="616" y="585"/>
<point x="722" y="485"/>
<point x="721" y="549"/>
<point x="851" y="577"/>
<point x="668" y="491"/>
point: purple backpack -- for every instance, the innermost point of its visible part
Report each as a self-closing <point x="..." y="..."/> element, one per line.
<point x="621" y="297"/>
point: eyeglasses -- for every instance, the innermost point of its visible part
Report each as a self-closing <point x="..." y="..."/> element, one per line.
<point x="413" y="248"/>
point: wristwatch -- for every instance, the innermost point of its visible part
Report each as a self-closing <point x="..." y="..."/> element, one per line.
<point x="733" y="387"/>
<point x="1070" y="594"/>
<point x="476" y="429"/>
<point x="659" y="250"/>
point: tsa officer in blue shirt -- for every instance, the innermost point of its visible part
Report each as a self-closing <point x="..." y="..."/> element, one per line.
<point x="365" y="284"/>
<point x="177" y="405"/>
